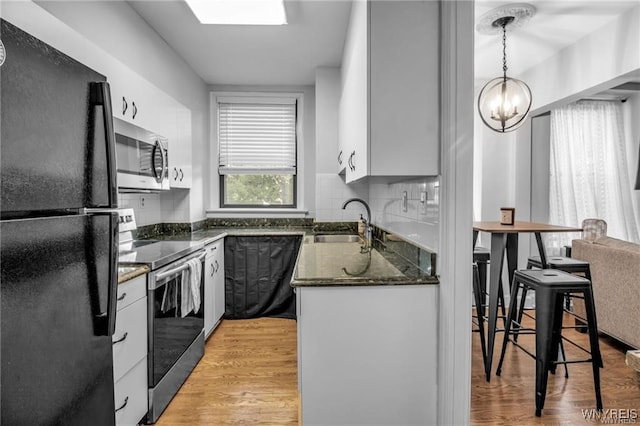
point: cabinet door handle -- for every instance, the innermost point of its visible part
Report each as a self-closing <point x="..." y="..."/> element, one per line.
<point x="181" y="175"/>
<point x="135" y="110"/>
<point x="121" y="298"/>
<point x="126" y="401"/>
<point x="213" y="270"/>
<point x="125" y="105"/>
<point x="217" y="266"/>
<point x="175" y="173"/>
<point x="340" y="158"/>
<point x="124" y="336"/>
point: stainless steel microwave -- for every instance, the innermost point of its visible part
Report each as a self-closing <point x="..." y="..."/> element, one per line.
<point x="142" y="158"/>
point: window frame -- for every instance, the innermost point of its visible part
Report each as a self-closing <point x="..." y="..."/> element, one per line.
<point x="258" y="97"/>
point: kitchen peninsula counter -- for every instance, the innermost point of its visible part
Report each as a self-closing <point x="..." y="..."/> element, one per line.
<point x="367" y="332"/>
<point x="351" y="264"/>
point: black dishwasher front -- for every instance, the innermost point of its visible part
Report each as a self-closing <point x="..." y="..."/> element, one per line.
<point x="258" y="272"/>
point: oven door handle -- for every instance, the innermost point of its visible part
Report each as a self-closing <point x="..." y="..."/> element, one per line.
<point x="161" y="276"/>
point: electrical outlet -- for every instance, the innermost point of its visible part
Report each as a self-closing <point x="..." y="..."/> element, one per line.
<point x="142" y="201"/>
<point x="423" y="202"/>
<point x="404" y="201"/>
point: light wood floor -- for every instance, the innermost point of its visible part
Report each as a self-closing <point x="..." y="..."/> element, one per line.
<point x="248" y="376"/>
<point x="509" y="399"/>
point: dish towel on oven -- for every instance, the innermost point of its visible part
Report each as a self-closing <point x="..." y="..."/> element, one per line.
<point x="190" y="289"/>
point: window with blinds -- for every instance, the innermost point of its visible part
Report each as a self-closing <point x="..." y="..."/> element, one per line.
<point x="257" y="153"/>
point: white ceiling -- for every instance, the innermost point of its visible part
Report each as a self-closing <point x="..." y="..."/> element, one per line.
<point x="288" y="55"/>
<point x="555" y="25"/>
<point x="260" y="55"/>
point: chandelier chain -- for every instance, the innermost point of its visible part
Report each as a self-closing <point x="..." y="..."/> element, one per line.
<point x="504" y="50"/>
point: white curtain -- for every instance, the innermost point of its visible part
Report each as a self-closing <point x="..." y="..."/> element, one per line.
<point x="589" y="174"/>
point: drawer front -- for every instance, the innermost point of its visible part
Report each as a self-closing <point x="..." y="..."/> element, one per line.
<point x="215" y="247"/>
<point x="131" y="337"/>
<point x="131" y="395"/>
<point x="132" y="290"/>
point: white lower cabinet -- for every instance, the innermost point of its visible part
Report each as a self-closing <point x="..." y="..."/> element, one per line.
<point x="214" y="299"/>
<point x="130" y="352"/>
<point x="367" y="354"/>
<point x="131" y="395"/>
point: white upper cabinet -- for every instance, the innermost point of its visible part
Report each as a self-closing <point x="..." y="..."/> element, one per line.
<point x="180" y="157"/>
<point x="354" y="103"/>
<point x="135" y="100"/>
<point x="389" y="118"/>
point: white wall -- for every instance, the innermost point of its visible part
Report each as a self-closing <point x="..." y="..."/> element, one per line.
<point x="116" y="28"/>
<point x="587" y="66"/>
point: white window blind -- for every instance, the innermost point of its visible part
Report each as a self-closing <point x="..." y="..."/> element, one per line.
<point x="257" y="138"/>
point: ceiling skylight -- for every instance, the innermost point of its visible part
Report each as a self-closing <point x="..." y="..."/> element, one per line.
<point x="239" y="12"/>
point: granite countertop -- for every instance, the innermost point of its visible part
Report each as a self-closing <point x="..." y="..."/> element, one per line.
<point x="126" y="273"/>
<point x="348" y="264"/>
<point x="336" y="263"/>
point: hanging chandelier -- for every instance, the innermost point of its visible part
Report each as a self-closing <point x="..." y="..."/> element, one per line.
<point x="504" y="102"/>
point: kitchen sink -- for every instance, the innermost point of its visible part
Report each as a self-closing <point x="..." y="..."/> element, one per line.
<point x="337" y="239"/>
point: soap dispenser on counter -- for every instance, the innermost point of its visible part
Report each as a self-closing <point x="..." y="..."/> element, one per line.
<point x="362" y="227"/>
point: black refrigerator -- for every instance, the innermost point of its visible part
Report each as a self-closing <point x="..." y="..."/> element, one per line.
<point x="58" y="237"/>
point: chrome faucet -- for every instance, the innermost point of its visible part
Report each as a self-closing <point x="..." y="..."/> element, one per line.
<point x="367" y="221"/>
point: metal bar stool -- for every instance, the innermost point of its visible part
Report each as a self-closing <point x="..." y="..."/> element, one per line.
<point x="481" y="258"/>
<point x="550" y="286"/>
<point x="591" y="229"/>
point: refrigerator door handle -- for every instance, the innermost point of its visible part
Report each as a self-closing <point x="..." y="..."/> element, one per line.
<point x="101" y="96"/>
<point x="105" y="321"/>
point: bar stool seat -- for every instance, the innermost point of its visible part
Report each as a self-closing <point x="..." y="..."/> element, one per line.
<point x="566" y="264"/>
<point x="481" y="254"/>
<point x="550" y="286"/>
<point x="481" y="257"/>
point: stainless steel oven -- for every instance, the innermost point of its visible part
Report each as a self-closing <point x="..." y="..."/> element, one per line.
<point x="176" y="328"/>
<point x="175" y="308"/>
<point x="142" y="158"/>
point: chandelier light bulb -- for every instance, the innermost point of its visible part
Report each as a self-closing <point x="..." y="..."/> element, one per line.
<point x="500" y="104"/>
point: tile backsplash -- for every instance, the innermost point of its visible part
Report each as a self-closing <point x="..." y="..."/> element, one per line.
<point x="332" y="192"/>
<point x="147" y="207"/>
<point x="409" y="207"/>
<point x="155" y="208"/>
<point x="416" y="218"/>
